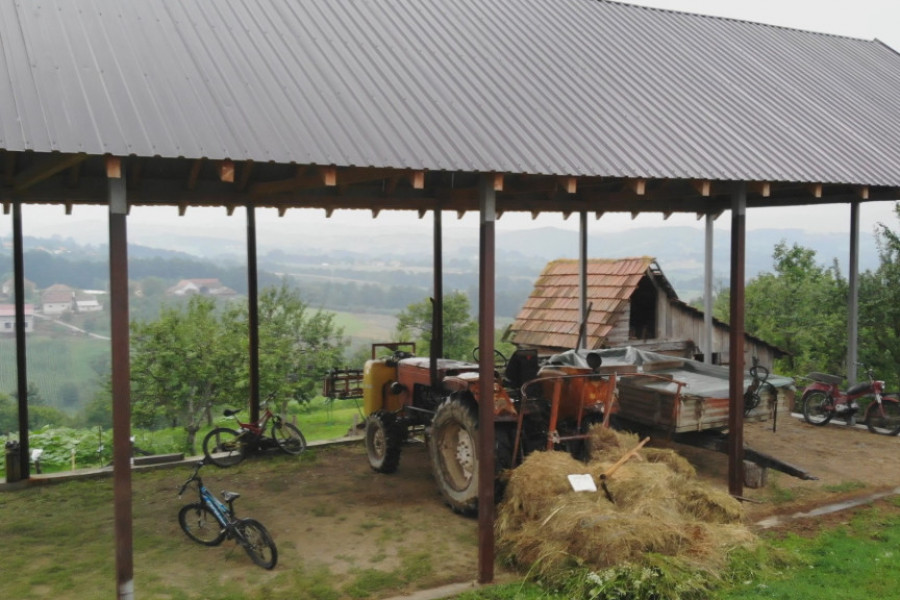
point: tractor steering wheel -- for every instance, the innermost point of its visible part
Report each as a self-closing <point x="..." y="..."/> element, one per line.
<point x="499" y="359"/>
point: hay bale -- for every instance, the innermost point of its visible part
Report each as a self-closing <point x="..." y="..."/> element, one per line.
<point x="603" y="442"/>
<point x="658" y="507"/>
<point x="708" y="504"/>
<point x="672" y="459"/>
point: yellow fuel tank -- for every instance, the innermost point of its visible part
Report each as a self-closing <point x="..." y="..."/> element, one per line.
<point x="377" y="374"/>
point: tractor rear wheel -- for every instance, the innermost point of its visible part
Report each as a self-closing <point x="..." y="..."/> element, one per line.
<point x="384" y="440"/>
<point x="454" y="454"/>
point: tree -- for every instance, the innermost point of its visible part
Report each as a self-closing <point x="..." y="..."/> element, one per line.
<point x="182" y="365"/>
<point x="297" y="346"/>
<point x="194" y="358"/>
<point x="879" y="309"/>
<point x="460" y="330"/>
<point x="801" y="308"/>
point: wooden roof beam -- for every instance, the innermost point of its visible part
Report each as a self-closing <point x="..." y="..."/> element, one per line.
<point x="226" y="171"/>
<point x="8" y="167"/>
<point x="864" y="192"/>
<point x="193" y="174"/>
<point x="303" y="179"/>
<point x="243" y="179"/>
<point x="762" y="188"/>
<point x="816" y="190"/>
<point x="704" y="187"/>
<point x="46" y="169"/>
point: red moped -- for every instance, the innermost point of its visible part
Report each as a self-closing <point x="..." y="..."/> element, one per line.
<point x="823" y="399"/>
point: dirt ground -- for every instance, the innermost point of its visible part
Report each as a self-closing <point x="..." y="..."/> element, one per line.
<point x="361" y="519"/>
<point x="334" y="518"/>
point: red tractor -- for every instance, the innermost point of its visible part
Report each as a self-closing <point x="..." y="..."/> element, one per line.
<point x="405" y="396"/>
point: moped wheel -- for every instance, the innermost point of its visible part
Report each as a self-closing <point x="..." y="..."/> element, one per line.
<point x="288" y="438"/>
<point x="200" y="524"/>
<point x="223" y="447"/>
<point x="884" y="419"/>
<point x="257" y="542"/>
<point x="818" y="407"/>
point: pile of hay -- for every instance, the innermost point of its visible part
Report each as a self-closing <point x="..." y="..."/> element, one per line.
<point x="658" y="506"/>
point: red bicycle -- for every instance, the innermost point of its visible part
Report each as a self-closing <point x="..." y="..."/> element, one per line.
<point x="823" y="399"/>
<point x="225" y="447"/>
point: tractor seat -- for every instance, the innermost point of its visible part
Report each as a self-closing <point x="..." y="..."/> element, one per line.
<point x="522" y="367"/>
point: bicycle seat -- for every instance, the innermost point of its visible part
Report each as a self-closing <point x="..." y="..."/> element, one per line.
<point x="229" y="412"/>
<point x="825" y="378"/>
<point x="230" y="496"/>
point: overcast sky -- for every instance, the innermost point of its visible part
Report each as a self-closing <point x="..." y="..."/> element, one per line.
<point x="866" y="19"/>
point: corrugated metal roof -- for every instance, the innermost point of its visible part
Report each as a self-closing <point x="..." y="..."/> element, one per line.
<point x="550" y="316"/>
<point x="576" y="87"/>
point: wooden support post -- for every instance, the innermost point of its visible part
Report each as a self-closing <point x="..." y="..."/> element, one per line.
<point x="488" y="209"/>
<point x="121" y="375"/>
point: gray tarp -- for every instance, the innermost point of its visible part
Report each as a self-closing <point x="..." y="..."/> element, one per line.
<point x="699" y="379"/>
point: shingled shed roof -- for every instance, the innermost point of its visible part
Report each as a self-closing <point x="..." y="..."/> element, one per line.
<point x="550" y="316"/>
<point x="581" y="105"/>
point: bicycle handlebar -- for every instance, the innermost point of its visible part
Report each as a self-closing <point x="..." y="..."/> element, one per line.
<point x="193" y="476"/>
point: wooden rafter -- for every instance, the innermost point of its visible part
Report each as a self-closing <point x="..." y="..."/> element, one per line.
<point x="244" y="176"/>
<point x="194" y="174"/>
<point x="703" y="187"/>
<point x="226" y="171"/>
<point x="9" y="167"/>
<point x="46" y="169"/>
<point x="762" y="188"/>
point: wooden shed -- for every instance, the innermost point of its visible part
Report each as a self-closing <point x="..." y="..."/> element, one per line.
<point x="631" y="304"/>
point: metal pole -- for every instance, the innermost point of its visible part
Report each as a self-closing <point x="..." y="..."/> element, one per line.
<point x="487" y="203"/>
<point x="21" y="357"/>
<point x="853" y="308"/>
<point x="437" y="308"/>
<point x="708" y="292"/>
<point x="253" y="313"/>
<point x="121" y="367"/>
<point x="736" y="344"/>
<point x="582" y="278"/>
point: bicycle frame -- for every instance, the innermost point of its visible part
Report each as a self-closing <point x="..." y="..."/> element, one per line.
<point x="224" y="514"/>
<point x="258" y="428"/>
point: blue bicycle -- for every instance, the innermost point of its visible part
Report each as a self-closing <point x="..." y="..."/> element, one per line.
<point x="210" y="522"/>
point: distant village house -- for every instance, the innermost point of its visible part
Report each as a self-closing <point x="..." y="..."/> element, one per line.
<point x="57" y="299"/>
<point x="203" y="287"/>
<point x="631" y="304"/>
<point x="8" y="318"/>
<point x="60" y="298"/>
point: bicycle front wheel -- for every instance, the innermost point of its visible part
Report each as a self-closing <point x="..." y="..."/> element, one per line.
<point x="257" y="542"/>
<point x="200" y="524"/>
<point x="223" y="447"/>
<point x="818" y="407"/>
<point x="884" y="419"/>
<point x="288" y="438"/>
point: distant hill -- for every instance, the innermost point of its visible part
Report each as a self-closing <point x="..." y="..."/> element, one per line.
<point x="389" y="258"/>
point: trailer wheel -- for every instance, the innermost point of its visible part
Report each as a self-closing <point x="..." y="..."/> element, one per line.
<point x="454" y="454"/>
<point x="384" y="439"/>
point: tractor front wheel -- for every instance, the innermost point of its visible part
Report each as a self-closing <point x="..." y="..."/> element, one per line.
<point x="454" y="454"/>
<point x="383" y="441"/>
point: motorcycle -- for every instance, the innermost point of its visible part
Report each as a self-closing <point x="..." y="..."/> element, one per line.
<point x="823" y="399"/>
